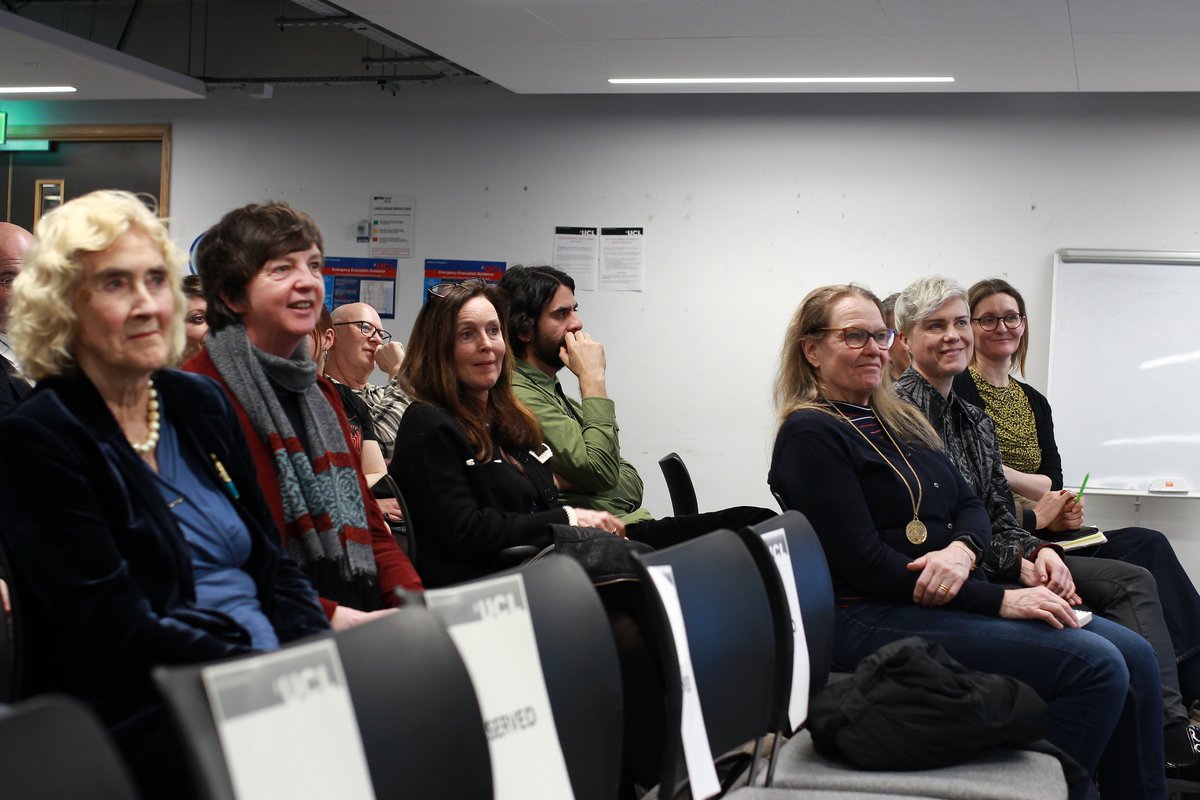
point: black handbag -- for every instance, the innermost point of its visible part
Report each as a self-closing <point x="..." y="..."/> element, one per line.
<point x="605" y="557"/>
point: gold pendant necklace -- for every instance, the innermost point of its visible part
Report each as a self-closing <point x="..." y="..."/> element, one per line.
<point x="915" y="531"/>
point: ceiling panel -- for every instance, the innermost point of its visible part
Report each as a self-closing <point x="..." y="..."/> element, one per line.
<point x="1138" y="62"/>
<point x="467" y="26"/>
<point x="966" y="18"/>
<point x="31" y="53"/>
<point x="1142" y="16"/>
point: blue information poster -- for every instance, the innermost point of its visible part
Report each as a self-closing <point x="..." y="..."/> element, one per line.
<point x="443" y="270"/>
<point x="361" y="280"/>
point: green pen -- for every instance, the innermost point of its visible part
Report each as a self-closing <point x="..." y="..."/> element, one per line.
<point x="1082" y="486"/>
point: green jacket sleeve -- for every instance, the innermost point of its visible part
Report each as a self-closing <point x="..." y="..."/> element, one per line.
<point x="586" y="446"/>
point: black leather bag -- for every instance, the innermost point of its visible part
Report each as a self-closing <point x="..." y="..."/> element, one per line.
<point x="909" y="705"/>
<point x="605" y="557"/>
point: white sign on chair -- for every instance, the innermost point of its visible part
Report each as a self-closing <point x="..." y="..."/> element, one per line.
<point x="776" y="542"/>
<point x="284" y="720"/>
<point x="702" y="773"/>
<point x="490" y="624"/>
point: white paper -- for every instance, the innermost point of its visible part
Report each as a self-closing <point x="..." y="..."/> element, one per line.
<point x="702" y="773"/>
<point x="287" y="726"/>
<point x="623" y="259"/>
<point x="379" y="295"/>
<point x="392" y="218"/>
<point x="490" y="624"/>
<point x="776" y="541"/>
<point x="577" y="253"/>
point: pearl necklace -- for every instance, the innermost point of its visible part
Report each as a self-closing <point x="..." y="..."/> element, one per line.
<point x="151" y="441"/>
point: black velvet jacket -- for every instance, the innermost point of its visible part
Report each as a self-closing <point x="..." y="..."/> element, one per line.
<point x="103" y="573"/>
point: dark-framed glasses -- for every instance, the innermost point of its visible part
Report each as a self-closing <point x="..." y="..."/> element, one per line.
<point x="368" y="330"/>
<point x="989" y="322"/>
<point x="443" y="289"/>
<point x="856" y="338"/>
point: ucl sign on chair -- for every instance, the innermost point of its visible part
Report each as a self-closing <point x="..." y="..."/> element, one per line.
<point x="490" y="623"/>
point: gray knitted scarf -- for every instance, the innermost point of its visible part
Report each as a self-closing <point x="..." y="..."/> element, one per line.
<point x="327" y="532"/>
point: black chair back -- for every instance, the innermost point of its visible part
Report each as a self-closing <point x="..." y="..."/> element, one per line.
<point x="731" y="639"/>
<point x="418" y="719"/>
<point x="814" y="589"/>
<point x="581" y="670"/>
<point x="401" y="531"/>
<point x="53" y="747"/>
<point x="679" y="484"/>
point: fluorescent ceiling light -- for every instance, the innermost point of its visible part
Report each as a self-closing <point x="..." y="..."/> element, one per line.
<point x="934" y="79"/>
<point x="37" y="89"/>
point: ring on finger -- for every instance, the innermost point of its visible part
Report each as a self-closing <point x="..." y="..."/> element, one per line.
<point x="943" y="587"/>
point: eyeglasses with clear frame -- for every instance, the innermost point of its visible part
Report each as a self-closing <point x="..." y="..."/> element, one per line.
<point x="989" y="322"/>
<point x="368" y="330"/>
<point x="856" y="338"/>
<point x="443" y="289"/>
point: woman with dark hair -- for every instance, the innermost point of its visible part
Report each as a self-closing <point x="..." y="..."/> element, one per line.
<point x="261" y="266"/>
<point x="194" y="320"/>
<point x="137" y="532"/>
<point x="475" y="474"/>
<point x="904" y="534"/>
<point x="1025" y="432"/>
<point x="473" y="467"/>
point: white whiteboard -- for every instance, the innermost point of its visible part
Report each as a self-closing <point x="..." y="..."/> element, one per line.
<point x="1125" y="367"/>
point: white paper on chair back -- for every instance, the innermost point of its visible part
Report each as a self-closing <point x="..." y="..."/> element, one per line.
<point x="776" y="542"/>
<point x="287" y="725"/>
<point x="490" y="624"/>
<point x="696" y="753"/>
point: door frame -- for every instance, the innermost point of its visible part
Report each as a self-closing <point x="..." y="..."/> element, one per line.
<point x="110" y="133"/>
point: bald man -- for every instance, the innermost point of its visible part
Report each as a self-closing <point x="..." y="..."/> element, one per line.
<point x="14" y="241"/>
<point x="359" y="345"/>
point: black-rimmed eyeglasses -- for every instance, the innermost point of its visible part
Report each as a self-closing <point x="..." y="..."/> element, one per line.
<point x="368" y="330"/>
<point x="856" y="338"/>
<point x="443" y="289"/>
<point x="989" y="322"/>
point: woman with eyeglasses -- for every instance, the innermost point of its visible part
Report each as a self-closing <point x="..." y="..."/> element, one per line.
<point x="1025" y="431"/>
<point x="904" y="535"/>
<point x="261" y="266"/>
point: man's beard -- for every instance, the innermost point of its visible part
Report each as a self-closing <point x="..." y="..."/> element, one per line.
<point x="547" y="350"/>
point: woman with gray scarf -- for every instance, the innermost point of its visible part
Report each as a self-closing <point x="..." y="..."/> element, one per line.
<point x="261" y="268"/>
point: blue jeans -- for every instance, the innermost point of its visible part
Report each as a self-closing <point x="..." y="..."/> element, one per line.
<point x="1100" y="683"/>
<point x="1180" y="600"/>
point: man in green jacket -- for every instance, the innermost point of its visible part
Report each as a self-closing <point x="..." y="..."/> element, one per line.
<point x="546" y="335"/>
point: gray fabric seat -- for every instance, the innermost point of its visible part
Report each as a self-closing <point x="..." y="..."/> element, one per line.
<point x="1000" y="774"/>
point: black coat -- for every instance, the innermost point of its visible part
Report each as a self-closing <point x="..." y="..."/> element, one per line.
<point x="103" y="572"/>
<point x="464" y="513"/>
<point x="13" y="388"/>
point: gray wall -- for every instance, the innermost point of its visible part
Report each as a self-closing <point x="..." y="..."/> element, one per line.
<point x="748" y="201"/>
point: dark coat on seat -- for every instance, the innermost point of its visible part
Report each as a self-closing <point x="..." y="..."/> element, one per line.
<point x="103" y="572"/>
